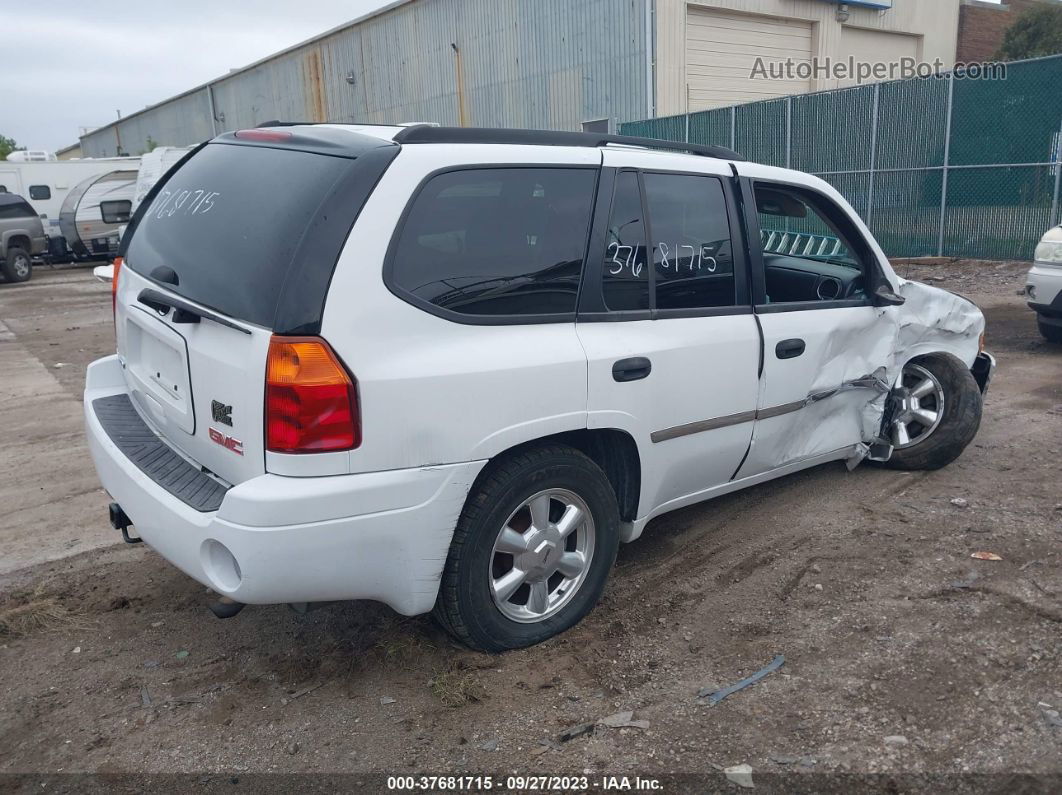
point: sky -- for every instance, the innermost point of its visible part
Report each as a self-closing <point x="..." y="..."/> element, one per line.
<point x="81" y="61"/>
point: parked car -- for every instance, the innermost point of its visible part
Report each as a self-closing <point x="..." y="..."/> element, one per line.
<point x="1044" y="285"/>
<point x="21" y="238"/>
<point x="452" y="369"/>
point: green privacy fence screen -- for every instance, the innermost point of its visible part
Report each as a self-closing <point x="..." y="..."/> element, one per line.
<point x="938" y="166"/>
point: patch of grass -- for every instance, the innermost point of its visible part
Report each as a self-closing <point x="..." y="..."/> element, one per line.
<point x="457" y="687"/>
<point x="404" y="648"/>
<point x="37" y="612"/>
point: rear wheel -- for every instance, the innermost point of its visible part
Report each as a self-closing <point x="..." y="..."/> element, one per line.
<point x="1049" y="332"/>
<point x="17" y="266"/>
<point x="935" y="413"/>
<point x="531" y="552"/>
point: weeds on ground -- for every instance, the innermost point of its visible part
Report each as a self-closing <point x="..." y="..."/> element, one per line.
<point x="37" y="612"/>
<point x="457" y="686"/>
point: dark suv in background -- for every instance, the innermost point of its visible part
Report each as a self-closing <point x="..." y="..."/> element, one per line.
<point x="21" y="238"/>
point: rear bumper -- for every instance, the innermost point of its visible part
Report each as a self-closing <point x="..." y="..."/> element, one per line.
<point x="382" y="536"/>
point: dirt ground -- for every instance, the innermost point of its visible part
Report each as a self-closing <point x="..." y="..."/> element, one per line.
<point x="904" y="656"/>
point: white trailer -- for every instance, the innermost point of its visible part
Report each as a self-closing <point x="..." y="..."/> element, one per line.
<point x="94" y="212"/>
<point x="46" y="184"/>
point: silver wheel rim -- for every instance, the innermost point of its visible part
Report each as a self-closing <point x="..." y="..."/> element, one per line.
<point x="919" y="407"/>
<point x="22" y="266"/>
<point x="541" y="556"/>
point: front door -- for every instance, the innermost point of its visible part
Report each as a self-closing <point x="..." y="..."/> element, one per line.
<point x="826" y="346"/>
<point x="667" y="325"/>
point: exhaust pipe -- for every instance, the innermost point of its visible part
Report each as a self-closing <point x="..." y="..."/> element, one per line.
<point x="226" y="608"/>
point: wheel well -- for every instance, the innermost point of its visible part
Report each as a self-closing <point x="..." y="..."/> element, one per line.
<point x="613" y="450"/>
<point x="19" y="241"/>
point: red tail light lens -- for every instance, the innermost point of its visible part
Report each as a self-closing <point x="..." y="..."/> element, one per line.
<point x="117" y="268"/>
<point x="311" y="401"/>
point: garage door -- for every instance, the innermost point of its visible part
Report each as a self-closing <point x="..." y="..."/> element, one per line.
<point x="722" y="48"/>
<point x="876" y="46"/>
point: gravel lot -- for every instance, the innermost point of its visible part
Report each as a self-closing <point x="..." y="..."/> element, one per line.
<point x="903" y="655"/>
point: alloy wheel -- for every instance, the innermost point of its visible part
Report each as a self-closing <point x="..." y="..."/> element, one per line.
<point x="541" y="556"/>
<point x="21" y="266"/>
<point x="919" y="406"/>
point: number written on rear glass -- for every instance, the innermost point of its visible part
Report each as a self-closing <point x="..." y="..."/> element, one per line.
<point x="184" y="202"/>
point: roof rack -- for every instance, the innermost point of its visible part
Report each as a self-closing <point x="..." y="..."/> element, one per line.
<point x="424" y="134"/>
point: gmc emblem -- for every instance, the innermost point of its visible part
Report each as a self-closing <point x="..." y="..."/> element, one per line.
<point x="235" y="445"/>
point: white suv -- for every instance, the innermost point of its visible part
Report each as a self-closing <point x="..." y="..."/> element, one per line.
<point x="453" y="369"/>
<point x="1043" y="286"/>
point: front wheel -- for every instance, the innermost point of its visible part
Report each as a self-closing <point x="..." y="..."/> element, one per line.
<point x="531" y="552"/>
<point x="935" y="412"/>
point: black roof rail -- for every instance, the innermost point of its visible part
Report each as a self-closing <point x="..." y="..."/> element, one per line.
<point x="424" y="134"/>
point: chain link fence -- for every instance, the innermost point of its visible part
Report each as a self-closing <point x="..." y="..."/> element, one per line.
<point x="938" y="166"/>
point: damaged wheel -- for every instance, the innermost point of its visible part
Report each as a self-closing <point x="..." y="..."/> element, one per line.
<point x="934" y="414"/>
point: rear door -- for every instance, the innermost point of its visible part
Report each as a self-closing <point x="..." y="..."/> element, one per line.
<point x="667" y="324"/>
<point x="212" y="269"/>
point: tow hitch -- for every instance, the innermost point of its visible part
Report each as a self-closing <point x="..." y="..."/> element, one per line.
<point x="119" y="521"/>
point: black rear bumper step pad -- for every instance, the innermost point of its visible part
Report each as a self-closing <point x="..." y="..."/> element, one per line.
<point x="154" y="457"/>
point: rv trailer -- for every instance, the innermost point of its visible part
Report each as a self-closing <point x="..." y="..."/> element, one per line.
<point x="45" y="184"/>
<point x="94" y="211"/>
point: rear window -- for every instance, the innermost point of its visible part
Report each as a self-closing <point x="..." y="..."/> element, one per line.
<point x="228" y="223"/>
<point x="12" y="206"/>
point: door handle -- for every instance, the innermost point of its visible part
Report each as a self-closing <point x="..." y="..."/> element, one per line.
<point x="789" y="349"/>
<point x="634" y="369"/>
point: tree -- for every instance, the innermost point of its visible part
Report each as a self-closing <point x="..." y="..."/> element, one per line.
<point x="7" y="146"/>
<point x="1035" y="33"/>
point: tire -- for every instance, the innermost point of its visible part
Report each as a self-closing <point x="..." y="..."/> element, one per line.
<point x="956" y="400"/>
<point x="475" y="603"/>
<point x="18" y="266"/>
<point x="1049" y="332"/>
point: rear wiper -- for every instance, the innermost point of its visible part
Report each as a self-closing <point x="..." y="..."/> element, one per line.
<point x="183" y="312"/>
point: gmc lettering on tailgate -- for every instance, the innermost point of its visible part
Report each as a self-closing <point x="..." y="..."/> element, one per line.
<point x="235" y="445"/>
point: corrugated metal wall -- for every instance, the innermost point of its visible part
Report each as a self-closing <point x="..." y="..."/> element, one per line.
<point x="548" y="64"/>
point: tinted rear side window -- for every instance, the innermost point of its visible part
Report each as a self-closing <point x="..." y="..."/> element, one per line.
<point x="497" y="241"/>
<point x="692" y="253"/>
<point x="626" y="275"/>
<point x="15" y="207"/>
<point x="228" y="223"/>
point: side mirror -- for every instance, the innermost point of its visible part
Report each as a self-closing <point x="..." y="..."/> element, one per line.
<point x="884" y="296"/>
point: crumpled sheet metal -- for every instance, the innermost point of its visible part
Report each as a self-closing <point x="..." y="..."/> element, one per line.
<point x="859" y="367"/>
<point x="938" y="319"/>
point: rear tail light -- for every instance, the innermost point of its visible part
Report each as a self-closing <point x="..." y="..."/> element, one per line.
<point x="117" y="268"/>
<point x="311" y="403"/>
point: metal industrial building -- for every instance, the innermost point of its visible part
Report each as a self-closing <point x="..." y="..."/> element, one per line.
<point x="555" y="64"/>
